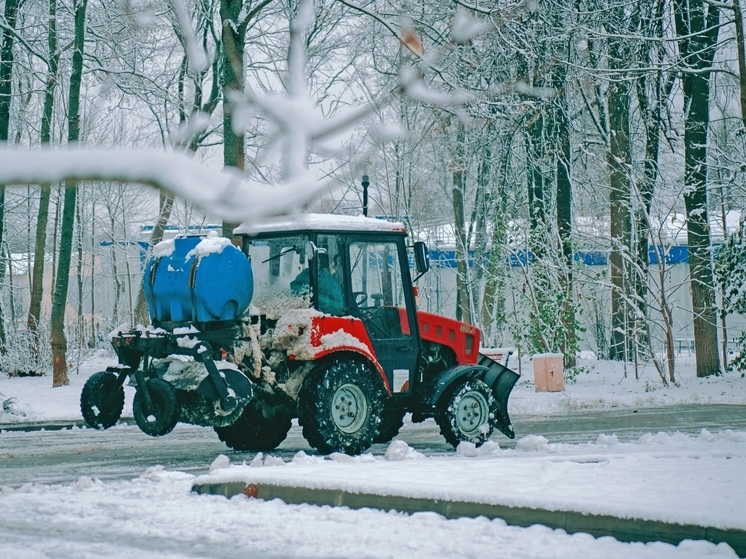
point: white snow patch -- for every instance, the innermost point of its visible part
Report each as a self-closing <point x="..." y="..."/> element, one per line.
<point x="293" y="334"/>
<point x="273" y="461"/>
<point x="399" y="450"/>
<point x="465" y="28"/>
<point x="341" y="458"/>
<point x="122" y="328"/>
<point x="186" y="330"/>
<point x="184" y="375"/>
<point x="187" y="342"/>
<point x="212" y="244"/>
<point x="340" y="338"/>
<point x="303" y="459"/>
<point x="467" y="449"/>
<point x="164" y="248"/>
<point x="306" y="222"/>
<point x="220" y="463"/>
<point x="85" y="482"/>
<point x="531" y="443"/>
<point x="607" y="440"/>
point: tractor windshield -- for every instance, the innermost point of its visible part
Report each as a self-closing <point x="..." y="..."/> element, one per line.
<point x="280" y="269"/>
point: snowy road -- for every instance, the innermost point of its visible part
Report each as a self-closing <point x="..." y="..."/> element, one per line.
<point x="140" y="510"/>
<point x="123" y="452"/>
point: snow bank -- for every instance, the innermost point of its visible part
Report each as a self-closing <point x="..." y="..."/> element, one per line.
<point x="671" y="478"/>
<point x="156" y="516"/>
<point x="602" y="385"/>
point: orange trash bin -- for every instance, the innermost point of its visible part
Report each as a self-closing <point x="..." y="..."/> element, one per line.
<point x="549" y="372"/>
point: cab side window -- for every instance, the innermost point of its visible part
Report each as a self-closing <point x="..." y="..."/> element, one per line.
<point x="378" y="289"/>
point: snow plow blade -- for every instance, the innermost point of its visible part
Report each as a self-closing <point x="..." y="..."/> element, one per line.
<point x="501" y="380"/>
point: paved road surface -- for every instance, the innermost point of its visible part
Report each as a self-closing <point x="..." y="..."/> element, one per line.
<point x="124" y="452"/>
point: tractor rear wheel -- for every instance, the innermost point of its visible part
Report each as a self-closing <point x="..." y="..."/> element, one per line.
<point x="165" y="408"/>
<point x="102" y="400"/>
<point x="391" y="421"/>
<point x="253" y="431"/>
<point x="467" y="413"/>
<point x="340" y="407"/>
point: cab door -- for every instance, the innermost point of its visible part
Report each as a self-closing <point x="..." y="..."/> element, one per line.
<point x="381" y="296"/>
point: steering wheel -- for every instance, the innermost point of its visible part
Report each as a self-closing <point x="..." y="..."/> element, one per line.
<point x="360" y="297"/>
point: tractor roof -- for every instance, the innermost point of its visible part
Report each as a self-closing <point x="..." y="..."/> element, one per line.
<point x="319" y="222"/>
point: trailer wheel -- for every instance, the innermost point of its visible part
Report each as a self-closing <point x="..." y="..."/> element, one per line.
<point x="253" y="431"/>
<point x="467" y="413"/>
<point x="340" y="408"/>
<point x="102" y="400"/>
<point x="165" y="412"/>
<point x="391" y="421"/>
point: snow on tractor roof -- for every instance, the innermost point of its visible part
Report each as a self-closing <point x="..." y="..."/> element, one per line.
<point x="319" y="222"/>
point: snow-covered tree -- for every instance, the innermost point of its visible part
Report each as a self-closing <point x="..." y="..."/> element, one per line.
<point x="730" y="274"/>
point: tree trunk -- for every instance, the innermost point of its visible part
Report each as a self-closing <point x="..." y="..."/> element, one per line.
<point x="156" y="236"/>
<point x="233" y="41"/>
<point x="564" y="217"/>
<point x="493" y="302"/>
<point x="697" y="26"/>
<point x="649" y="95"/>
<point x="741" y="49"/>
<point x="115" y="271"/>
<point x="59" y="341"/>
<point x="2" y="268"/>
<point x="463" y="308"/>
<point x="478" y="225"/>
<point x="649" y="102"/>
<point x="535" y="142"/>
<point x="564" y="227"/>
<point x="79" y="274"/>
<point x="618" y="161"/>
<point x="42" y="218"/>
<point x="94" y="328"/>
<point x="6" y="66"/>
<point x="6" y="93"/>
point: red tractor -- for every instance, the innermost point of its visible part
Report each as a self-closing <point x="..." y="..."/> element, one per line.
<point x="315" y="317"/>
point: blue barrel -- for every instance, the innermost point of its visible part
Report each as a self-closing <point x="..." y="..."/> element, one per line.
<point x="203" y="279"/>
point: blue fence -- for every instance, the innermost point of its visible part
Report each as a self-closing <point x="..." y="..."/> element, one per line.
<point x="676" y="254"/>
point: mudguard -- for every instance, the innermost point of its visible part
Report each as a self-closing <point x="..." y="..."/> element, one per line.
<point x="445" y="380"/>
<point x="498" y="377"/>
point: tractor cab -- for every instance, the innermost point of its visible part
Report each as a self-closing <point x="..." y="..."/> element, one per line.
<point x="343" y="267"/>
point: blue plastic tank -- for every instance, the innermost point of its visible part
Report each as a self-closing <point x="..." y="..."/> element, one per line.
<point x="202" y="279"/>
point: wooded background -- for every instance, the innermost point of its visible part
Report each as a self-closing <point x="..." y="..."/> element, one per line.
<point x="510" y="132"/>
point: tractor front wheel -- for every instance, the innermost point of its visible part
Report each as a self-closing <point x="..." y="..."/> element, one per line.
<point x="102" y="400"/>
<point x="164" y="412"/>
<point x="340" y="407"/>
<point x="467" y="413"/>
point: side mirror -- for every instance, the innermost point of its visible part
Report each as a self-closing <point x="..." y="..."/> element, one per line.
<point x="421" y="257"/>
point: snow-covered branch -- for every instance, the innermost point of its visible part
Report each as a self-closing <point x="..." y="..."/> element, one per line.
<point x="225" y="194"/>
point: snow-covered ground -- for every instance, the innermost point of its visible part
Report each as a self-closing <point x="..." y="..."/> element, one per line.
<point x="672" y="477"/>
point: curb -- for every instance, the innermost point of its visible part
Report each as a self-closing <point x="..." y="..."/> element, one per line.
<point x="622" y="529"/>
<point x="57" y="425"/>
